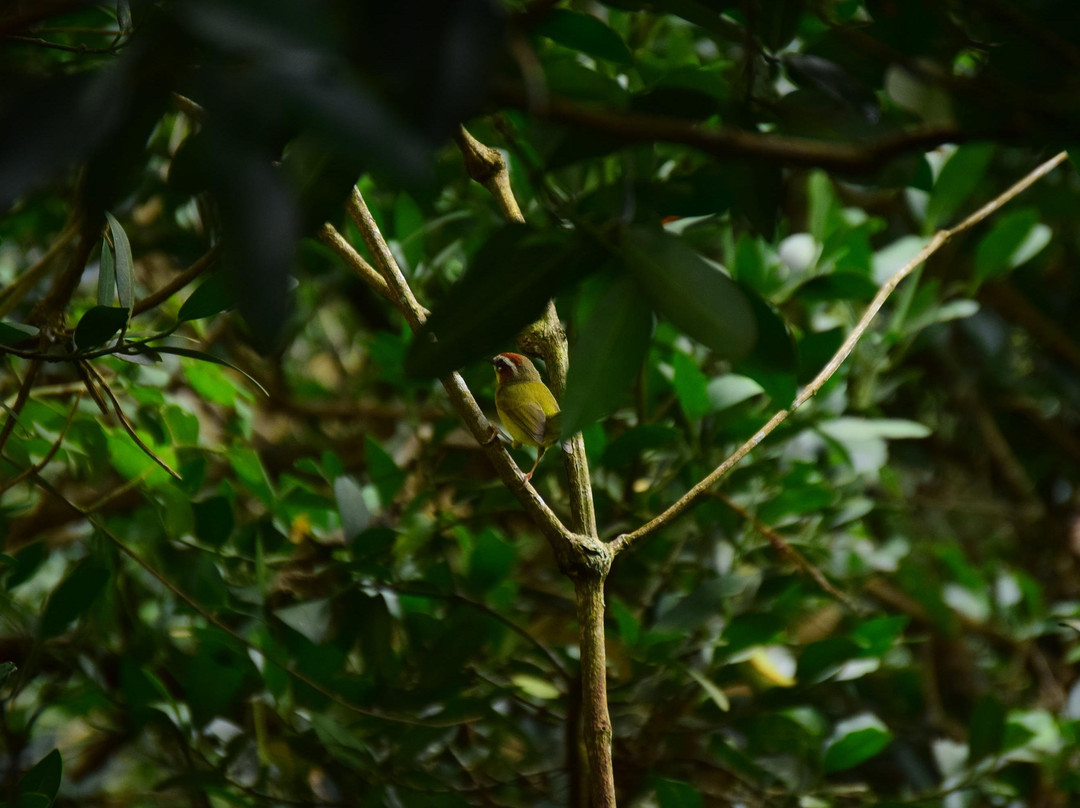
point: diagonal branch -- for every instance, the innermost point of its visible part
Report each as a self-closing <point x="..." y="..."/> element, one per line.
<point x="562" y="540"/>
<point x="487" y="167"/>
<point x="695" y="494"/>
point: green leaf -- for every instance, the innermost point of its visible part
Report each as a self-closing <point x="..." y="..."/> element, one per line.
<point x="106" y="289"/>
<point x="1015" y="238"/>
<point x="676" y="794"/>
<point x="718" y="696"/>
<point x="355" y="516"/>
<point x="44" y="777"/>
<point x="386" y="476"/>
<point x="213" y="296"/>
<point x="507" y="286"/>
<point x="214" y="520"/>
<point x="14" y="333"/>
<point x="607" y="356"/>
<point x="773" y="362"/>
<point x="203" y="356"/>
<point x="852" y="428"/>
<point x="854" y="741"/>
<point x="730" y="389"/>
<point x="987" y="732"/>
<point x="125" y="264"/>
<point x="695" y="295"/>
<point x="75" y="594"/>
<point x="585" y="33"/>
<point x="7" y="669"/>
<point x="249" y="468"/>
<point x="820" y="660"/>
<point x="959" y="178"/>
<point x="535" y="686"/>
<point x="691" y="386"/>
<point x="98" y="325"/>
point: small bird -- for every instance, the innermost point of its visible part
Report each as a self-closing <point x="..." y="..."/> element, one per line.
<point x="527" y="409"/>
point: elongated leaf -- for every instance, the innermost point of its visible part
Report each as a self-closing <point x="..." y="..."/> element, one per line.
<point x="695" y="295"/>
<point x="355" y="516"/>
<point x="1015" y="238"/>
<point x="718" y="696"/>
<point x="505" y="288"/>
<point x="854" y="741"/>
<point x="44" y="778"/>
<point x="14" y="333"/>
<point x="212" y="297"/>
<point x="608" y="355"/>
<point x="773" y="361"/>
<point x="191" y="353"/>
<point x="584" y="33"/>
<point x="106" y="282"/>
<point x="987" y="729"/>
<point x="75" y="594"/>
<point x="98" y="325"/>
<point x="125" y="264"/>
<point x="959" y="177"/>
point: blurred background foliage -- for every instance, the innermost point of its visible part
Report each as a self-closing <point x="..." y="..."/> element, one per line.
<point x="330" y="599"/>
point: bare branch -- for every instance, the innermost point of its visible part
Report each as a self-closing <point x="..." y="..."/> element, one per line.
<point x="692" y="496"/>
<point x="34" y="469"/>
<point x="486" y="166"/>
<point x="785" y="550"/>
<point x="562" y="540"/>
<point x="329" y="236"/>
<point x="177" y="283"/>
<point x="849" y="158"/>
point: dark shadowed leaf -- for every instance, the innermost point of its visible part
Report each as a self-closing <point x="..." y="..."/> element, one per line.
<point x="959" y="177"/>
<point x="125" y="264"/>
<point x="106" y="289"/>
<point x="207" y="357"/>
<point x="213" y="520"/>
<point x="607" y="356"/>
<point x="1015" y="238"/>
<point x="773" y="362"/>
<point x="14" y="333"/>
<point x="213" y="296"/>
<point x="585" y="33"/>
<point x="75" y="594"/>
<point x="987" y="731"/>
<point x="506" y="287"/>
<point x="43" y="778"/>
<point x="677" y="794"/>
<point x="98" y="325"/>
<point x="695" y="295"/>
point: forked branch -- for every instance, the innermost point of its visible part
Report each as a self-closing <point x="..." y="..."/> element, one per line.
<point x="695" y="494"/>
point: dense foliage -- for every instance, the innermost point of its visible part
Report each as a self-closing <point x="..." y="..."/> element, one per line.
<point x="251" y="557"/>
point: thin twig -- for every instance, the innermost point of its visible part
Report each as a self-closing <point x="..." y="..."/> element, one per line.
<point x="562" y="540"/>
<point x="684" y="503"/>
<point x="785" y="550"/>
<point x="41" y="464"/>
<point x="729" y="143"/>
<point x="177" y="283"/>
<point x="329" y="236"/>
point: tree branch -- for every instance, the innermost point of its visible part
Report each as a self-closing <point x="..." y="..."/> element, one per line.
<point x="177" y="283"/>
<point x="625" y="127"/>
<point x="329" y="236"/>
<point x="486" y="166"/>
<point x="695" y="494"/>
<point x="565" y="544"/>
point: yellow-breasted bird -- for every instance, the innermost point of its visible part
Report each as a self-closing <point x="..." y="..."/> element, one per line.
<point x="527" y="409"/>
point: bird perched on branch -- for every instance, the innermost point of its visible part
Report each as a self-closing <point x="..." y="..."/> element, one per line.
<point x="527" y="409"/>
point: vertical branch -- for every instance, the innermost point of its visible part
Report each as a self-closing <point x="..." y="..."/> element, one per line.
<point x="486" y="166"/>
<point x="589" y="593"/>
